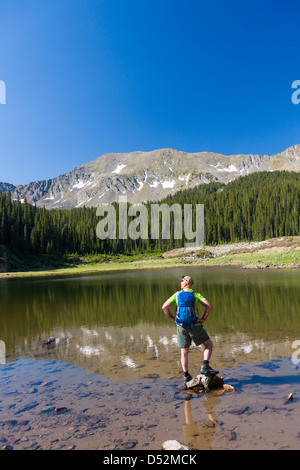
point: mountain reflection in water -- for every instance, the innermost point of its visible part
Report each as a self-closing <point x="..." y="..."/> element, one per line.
<point x="113" y="322"/>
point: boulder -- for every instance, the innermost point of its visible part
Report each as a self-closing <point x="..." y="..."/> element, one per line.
<point x="208" y="382"/>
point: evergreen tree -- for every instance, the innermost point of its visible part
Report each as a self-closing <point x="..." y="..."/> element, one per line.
<point x="254" y="207"/>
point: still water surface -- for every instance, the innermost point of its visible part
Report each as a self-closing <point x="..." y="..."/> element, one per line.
<point x="111" y="325"/>
<point x="108" y="319"/>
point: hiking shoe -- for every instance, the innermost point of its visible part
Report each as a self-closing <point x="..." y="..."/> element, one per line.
<point x="187" y="379"/>
<point x="207" y="370"/>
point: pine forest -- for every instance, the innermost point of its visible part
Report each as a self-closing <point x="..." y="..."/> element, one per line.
<point x="251" y="208"/>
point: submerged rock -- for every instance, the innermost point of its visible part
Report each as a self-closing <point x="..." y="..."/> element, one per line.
<point x="49" y="343"/>
<point x="151" y="376"/>
<point x="53" y="341"/>
<point x="61" y="409"/>
<point x="182" y="395"/>
<point x="230" y="435"/>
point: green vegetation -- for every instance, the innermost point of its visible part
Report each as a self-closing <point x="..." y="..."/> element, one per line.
<point x="284" y="259"/>
<point x="251" y="208"/>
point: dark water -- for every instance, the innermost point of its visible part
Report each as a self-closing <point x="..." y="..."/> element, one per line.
<point x="112" y="346"/>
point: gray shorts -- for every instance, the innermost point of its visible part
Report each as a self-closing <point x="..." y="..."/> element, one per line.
<point x="185" y="336"/>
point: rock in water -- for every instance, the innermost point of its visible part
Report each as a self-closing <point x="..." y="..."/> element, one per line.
<point x="208" y="382"/>
<point x="49" y="343"/>
<point x="228" y="388"/>
<point x="174" y="445"/>
<point x="194" y="382"/>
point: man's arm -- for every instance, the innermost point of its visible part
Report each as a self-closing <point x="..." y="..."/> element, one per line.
<point x="166" y="309"/>
<point x="206" y="312"/>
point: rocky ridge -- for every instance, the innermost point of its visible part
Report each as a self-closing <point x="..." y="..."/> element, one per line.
<point x="145" y="176"/>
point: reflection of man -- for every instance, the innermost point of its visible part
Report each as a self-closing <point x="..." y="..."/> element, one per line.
<point x="195" y="333"/>
<point x="200" y="439"/>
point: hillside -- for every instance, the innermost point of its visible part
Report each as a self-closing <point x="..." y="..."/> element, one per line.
<point x="283" y="252"/>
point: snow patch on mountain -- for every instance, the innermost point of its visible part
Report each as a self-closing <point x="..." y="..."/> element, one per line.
<point x="119" y="168"/>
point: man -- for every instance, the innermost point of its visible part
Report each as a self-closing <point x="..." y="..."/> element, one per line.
<point x="195" y="333"/>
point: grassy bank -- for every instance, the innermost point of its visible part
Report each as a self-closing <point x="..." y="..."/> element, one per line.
<point x="93" y="268"/>
<point x="24" y="265"/>
<point x="271" y="254"/>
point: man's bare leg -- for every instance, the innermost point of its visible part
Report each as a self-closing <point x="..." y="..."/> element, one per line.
<point x="208" y="350"/>
<point x="185" y="359"/>
<point x="206" y="369"/>
<point x="185" y="364"/>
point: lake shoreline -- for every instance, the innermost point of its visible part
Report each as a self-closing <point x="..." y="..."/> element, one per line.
<point x="142" y="265"/>
<point x="280" y="253"/>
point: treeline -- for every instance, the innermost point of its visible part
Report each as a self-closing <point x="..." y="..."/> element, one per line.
<point x="254" y="207"/>
<point x="27" y="228"/>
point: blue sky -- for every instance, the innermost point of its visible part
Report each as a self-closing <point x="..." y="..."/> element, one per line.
<point x="88" y="77"/>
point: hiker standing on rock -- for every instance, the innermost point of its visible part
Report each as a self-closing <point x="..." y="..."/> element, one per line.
<point x="189" y="326"/>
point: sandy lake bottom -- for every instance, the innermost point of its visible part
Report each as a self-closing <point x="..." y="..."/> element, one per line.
<point x="50" y="404"/>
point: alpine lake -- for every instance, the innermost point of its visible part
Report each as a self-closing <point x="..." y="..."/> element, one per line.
<point x="91" y="362"/>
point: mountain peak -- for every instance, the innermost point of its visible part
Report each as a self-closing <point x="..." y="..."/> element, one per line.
<point x="142" y="176"/>
<point x="293" y="151"/>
